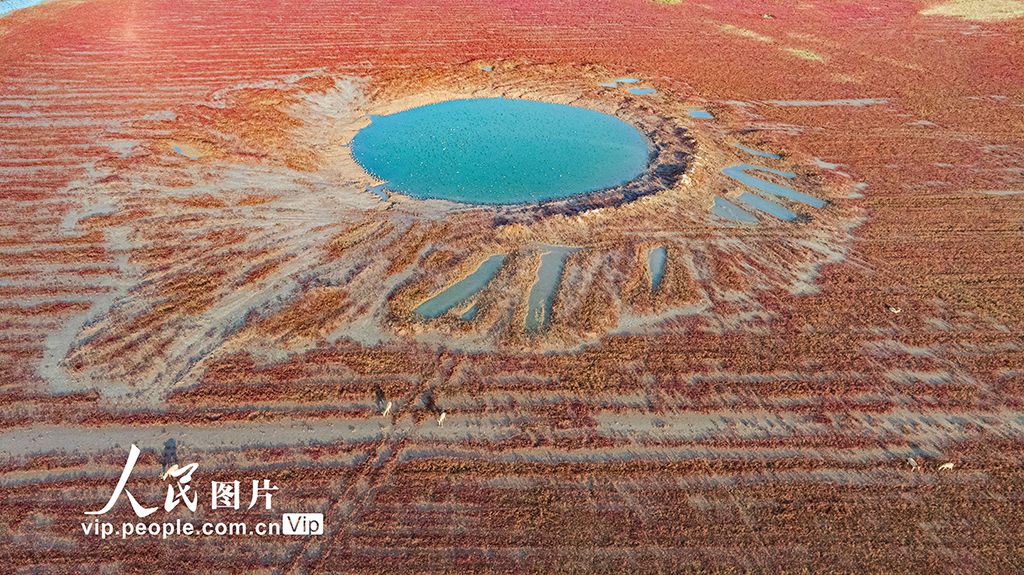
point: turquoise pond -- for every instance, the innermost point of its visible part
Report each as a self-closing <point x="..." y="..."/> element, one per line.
<point x="9" y="6"/>
<point x="500" y="151"/>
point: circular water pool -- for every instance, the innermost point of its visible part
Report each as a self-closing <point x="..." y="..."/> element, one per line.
<point x="500" y="151"/>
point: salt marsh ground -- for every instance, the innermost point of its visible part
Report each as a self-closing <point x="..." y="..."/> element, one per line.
<point x="759" y="355"/>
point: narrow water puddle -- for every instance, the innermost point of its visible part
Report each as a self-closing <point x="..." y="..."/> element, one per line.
<point x="727" y="210"/>
<point x="379" y="190"/>
<point x="178" y="150"/>
<point x="766" y="206"/>
<point x="656" y="259"/>
<point x="758" y="153"/>
<point x="462" y="290"/>
<point x="470" y="314"/>
<point x="542" y="294"/>
<point x="856" y="102"/>
<point x="739" y="173"/>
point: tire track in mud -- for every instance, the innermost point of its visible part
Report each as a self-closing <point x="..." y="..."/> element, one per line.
<point x="375" y="472"/>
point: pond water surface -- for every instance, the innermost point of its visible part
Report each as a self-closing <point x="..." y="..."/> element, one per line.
<point x="500" y="151"/>
<point x="9" y="6"/>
